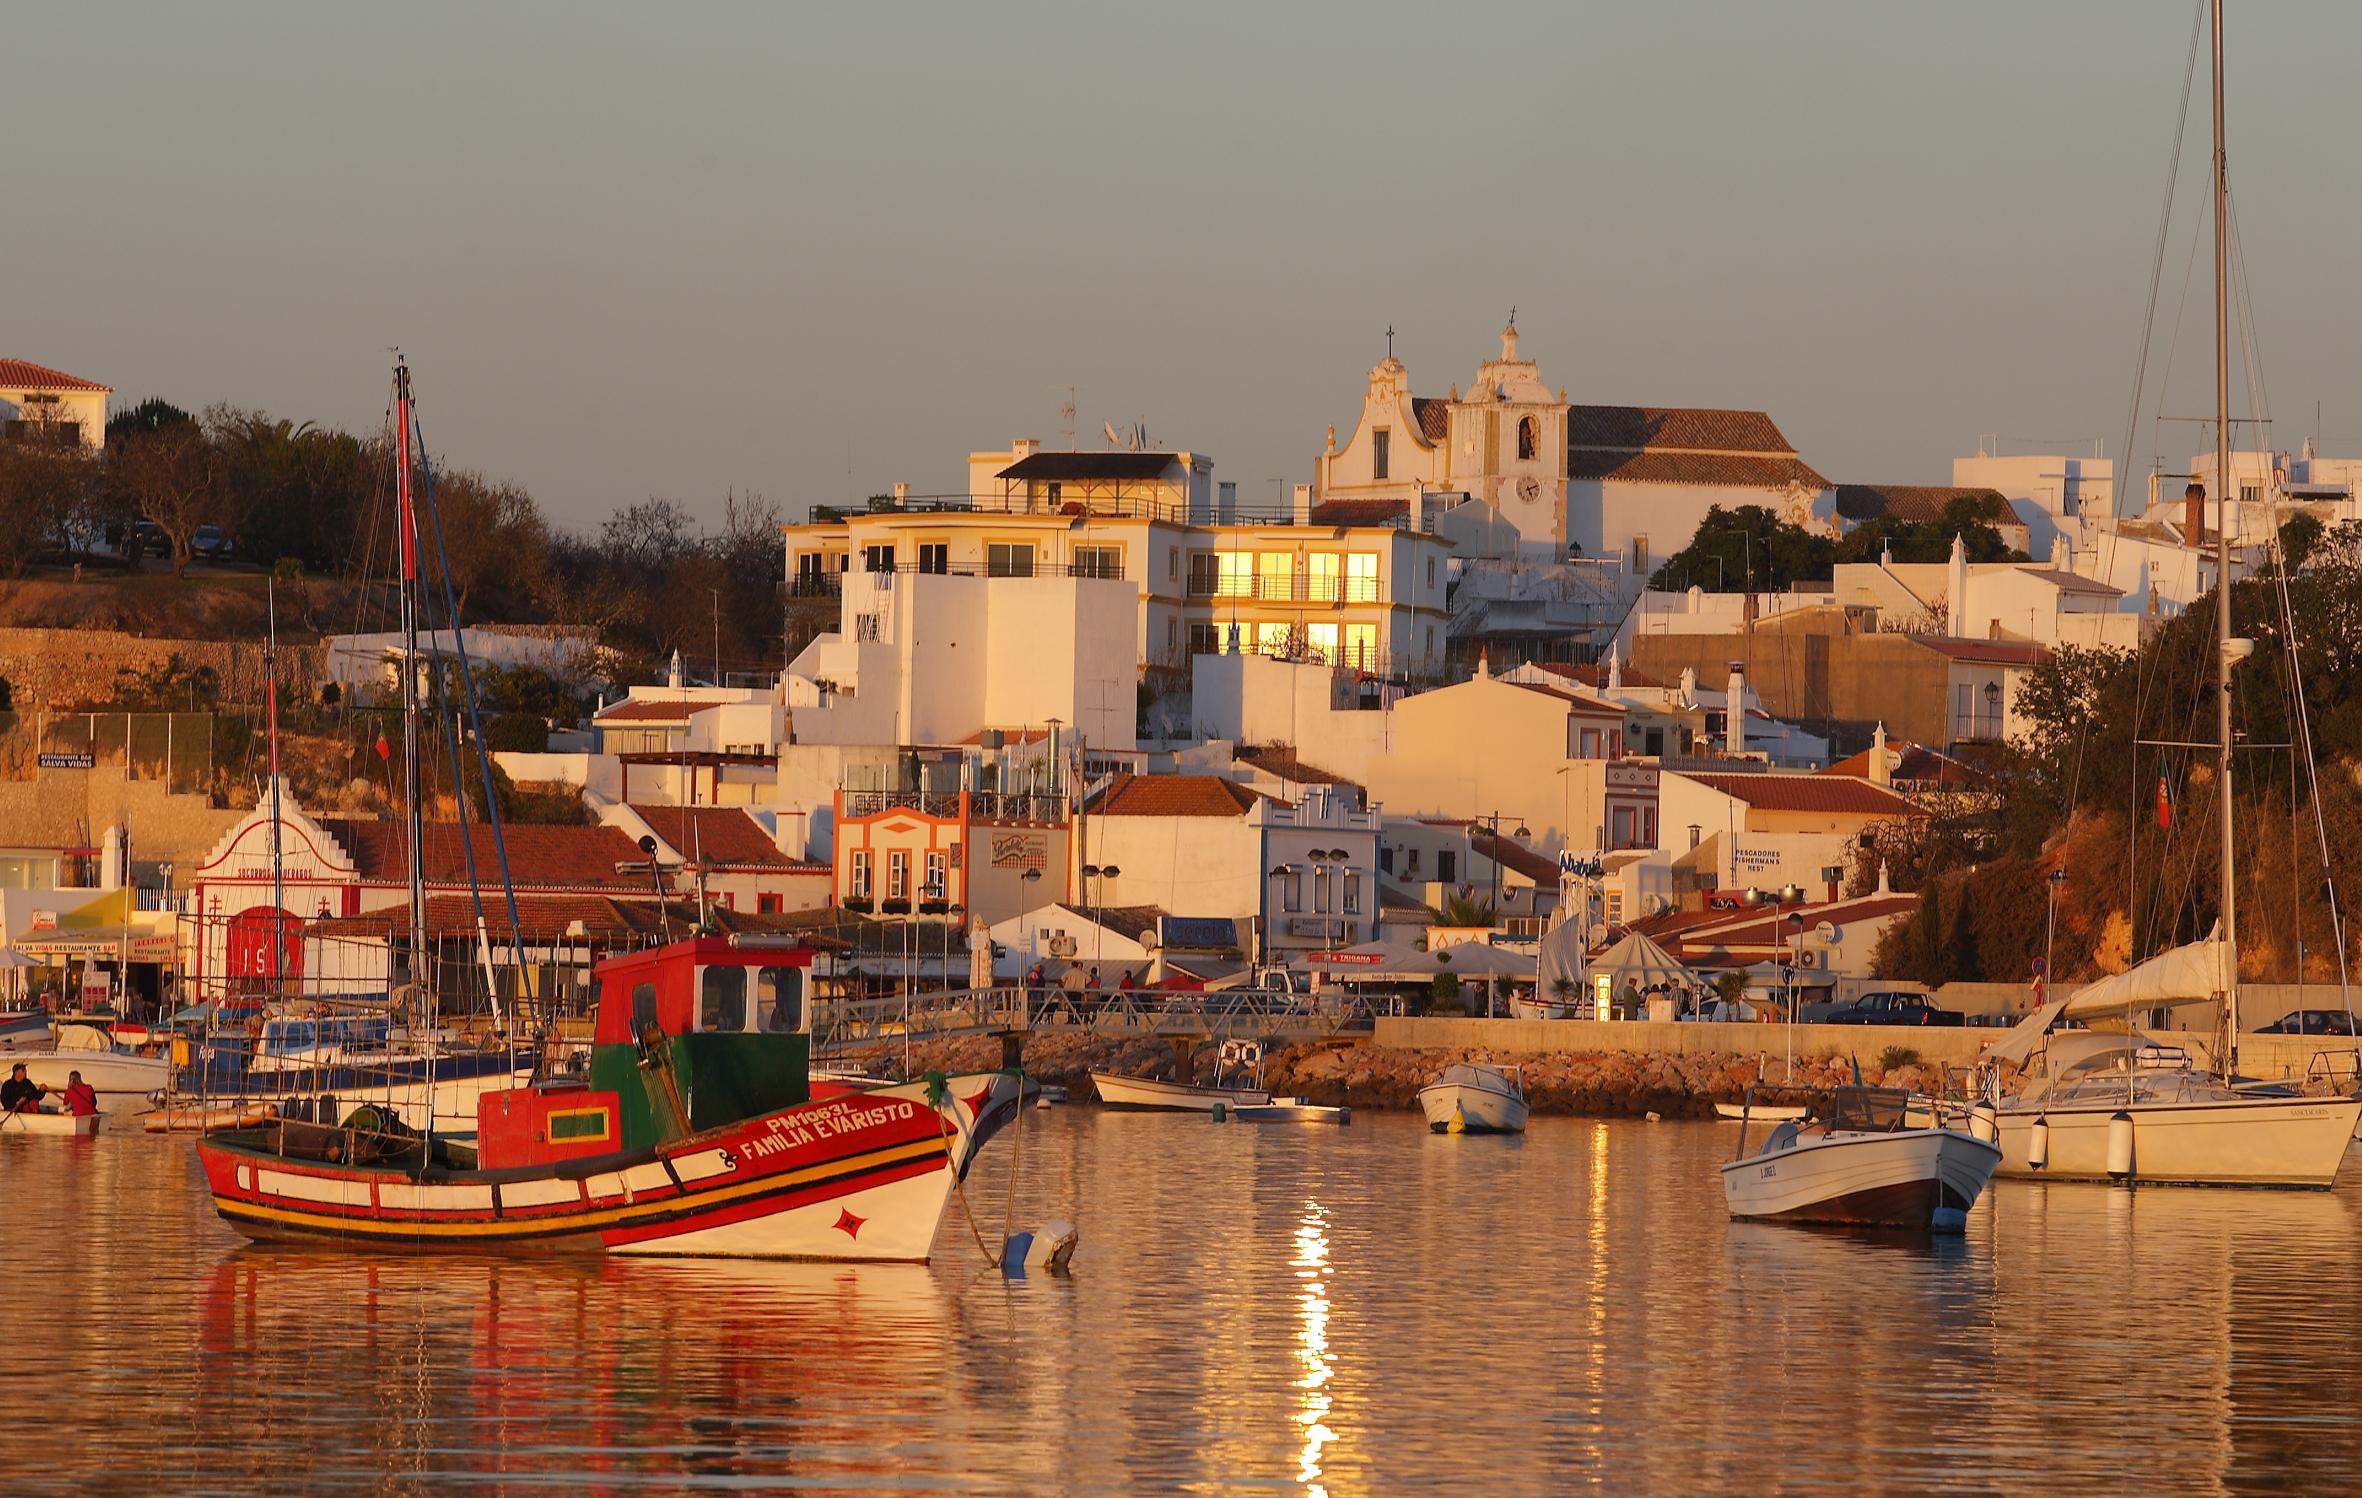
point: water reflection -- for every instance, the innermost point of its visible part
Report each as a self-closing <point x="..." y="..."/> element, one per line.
<point x="1312" y="1342"/>
<point x="1248" y="1303"/>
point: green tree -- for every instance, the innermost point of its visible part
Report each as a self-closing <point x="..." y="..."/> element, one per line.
<point x="171" y="476"/>
<point x="1747" y="549"/>
<point x="1966" y="516"/>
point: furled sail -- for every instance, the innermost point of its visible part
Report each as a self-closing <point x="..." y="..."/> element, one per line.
<point x="2198" y="971"/>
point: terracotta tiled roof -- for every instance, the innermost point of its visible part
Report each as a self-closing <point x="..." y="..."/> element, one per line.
<point x="1360" y="511"/>
<point x="1916" y="502"/>
<point x="1435" y="419"/>
<point x="549" y="857"/>
<point x="1666" y="427"/>
<point x="1174" y="796"/>
<point x="1595" y="676"/>
<point x="723" y="836"/>
<point x="1682" y="445"/>
<point x="22" y="374"/>
<point x="652" y="710"/>
<point x="602" y="917"/>
<point x="1581" y="701"/>
<point x="1130" y="920"/>
<point x="1742" y="470"/>
<point x="1808" y="793"/>
<point x="1018" y="736"/>
<point x="1914" y="762"/>
<point x="1514" y="855"/>
<point x="1281" y="760"/>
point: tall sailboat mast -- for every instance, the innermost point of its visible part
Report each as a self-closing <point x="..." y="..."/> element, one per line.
<point x="2223" y="493"/>
<point x="413" y="806"/>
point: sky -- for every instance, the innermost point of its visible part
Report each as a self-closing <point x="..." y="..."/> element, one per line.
<point x="810" y="251"/>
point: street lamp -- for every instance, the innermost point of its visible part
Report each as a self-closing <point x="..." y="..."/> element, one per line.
<point x="1094" y="884"/>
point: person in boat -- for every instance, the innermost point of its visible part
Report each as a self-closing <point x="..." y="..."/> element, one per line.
<point x="80" y="1098"/>
<point x="20" y="1093"/>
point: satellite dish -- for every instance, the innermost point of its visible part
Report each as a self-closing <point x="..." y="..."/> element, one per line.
<point x="1827" y="931"/>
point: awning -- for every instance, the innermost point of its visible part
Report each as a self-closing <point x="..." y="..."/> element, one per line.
<point x="122" y="943"/>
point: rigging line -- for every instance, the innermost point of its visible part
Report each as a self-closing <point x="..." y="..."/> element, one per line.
<point x="2132" y="415"/>
<point x="467" y="689"/>
<point x="2304" y="740"/>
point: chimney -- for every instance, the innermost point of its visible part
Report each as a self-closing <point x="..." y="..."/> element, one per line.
<point x="1615" y="668"/>
<point x="901" y="495"/>
<point x="1734" y="712"/>
<point x="1882" y="770"/>
<point x="2194" y="514"/>
<point x="1957" y="607"/>
<point x="1304" y="504"/>
<point x="1024" y="447"/>
<point x="1418" y="513"/>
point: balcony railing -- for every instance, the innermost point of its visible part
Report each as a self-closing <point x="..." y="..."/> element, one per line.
<point x="1293" y="589"/>
<point x="1151" y="502"/>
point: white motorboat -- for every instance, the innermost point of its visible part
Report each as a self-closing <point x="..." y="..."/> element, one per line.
<point x="1473" y="1097"/>
<point x="1855" y="1159"/>
<point x="1175" y="1097"/>
<point x="122" y="1079"/>
<point x="48" y="1123"/>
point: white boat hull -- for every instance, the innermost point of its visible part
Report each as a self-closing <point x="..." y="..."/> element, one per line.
<point x="1916" y="1178"/>
<point x="123" y="1083"/>
<point x="1289" y="1110"/>
<point x="1454" y="1108"/>
<point x="2290" y="1142"/>
<point x="1181" y="1097"/>
<point x="1762" y="1113"/>
<point x="48" y="1123"/>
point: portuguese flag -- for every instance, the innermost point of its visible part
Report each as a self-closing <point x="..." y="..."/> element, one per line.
<point x="2164" y="806"/>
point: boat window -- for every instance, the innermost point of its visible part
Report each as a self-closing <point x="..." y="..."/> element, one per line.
<point x="643" y="1006"/>
<point x="779" y="1000"/>
<point x="721" y="999"/>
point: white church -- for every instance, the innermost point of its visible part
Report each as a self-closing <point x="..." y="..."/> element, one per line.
<point x="1510" y="468"/>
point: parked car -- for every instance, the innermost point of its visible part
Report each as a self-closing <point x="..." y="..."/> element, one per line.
<point x="2312" y="1022"/>
<point x="1893" y="1008"/>
<point x="208" y="541"/>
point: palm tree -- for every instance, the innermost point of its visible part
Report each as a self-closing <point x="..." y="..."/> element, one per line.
<point x="1468" y="910"/>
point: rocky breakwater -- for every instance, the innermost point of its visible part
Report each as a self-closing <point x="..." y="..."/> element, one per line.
<point x="1593" y="1084"/>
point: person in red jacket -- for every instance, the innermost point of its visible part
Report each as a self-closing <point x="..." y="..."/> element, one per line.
<point x="80" y="1098"/>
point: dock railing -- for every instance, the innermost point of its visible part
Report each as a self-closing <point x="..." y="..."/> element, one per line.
<point x="845" y="1024"/>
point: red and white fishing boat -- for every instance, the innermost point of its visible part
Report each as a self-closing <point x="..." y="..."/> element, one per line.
<point x="695" y="1133"/>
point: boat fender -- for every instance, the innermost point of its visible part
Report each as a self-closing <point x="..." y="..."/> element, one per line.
<point x="1984" y="1123"/>
<point x="2120" y="1161"/>
<point x="2038" y="1143"/>
<point x="1221" y="1113"/>
<point x="1656" y="1118"/>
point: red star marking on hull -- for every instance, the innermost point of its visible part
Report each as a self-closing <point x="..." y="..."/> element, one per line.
<point x="848" y="1224"/>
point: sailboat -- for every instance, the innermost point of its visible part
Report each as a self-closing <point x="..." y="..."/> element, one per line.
<point x="2118" y="1106"/>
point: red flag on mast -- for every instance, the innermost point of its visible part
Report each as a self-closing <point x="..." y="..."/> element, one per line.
<point x="2164" y="806"/>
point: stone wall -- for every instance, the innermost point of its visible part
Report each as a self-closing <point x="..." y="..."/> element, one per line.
<point x="72" y="668"/>
<point x="64" y="807"/>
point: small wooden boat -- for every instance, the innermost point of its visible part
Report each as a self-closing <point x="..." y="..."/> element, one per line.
<point x="48" y="1123"/>
<point x="1175" y="1097"/>
<point x="1285" y="1110"/>
<point x="1855" y="1158"/>
<point x="1472" y="1097"/>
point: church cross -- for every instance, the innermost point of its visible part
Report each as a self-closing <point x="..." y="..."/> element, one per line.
<point x="1390" y="340"/>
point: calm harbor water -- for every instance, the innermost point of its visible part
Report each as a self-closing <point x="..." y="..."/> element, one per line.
<point x="1255" y="1309"/>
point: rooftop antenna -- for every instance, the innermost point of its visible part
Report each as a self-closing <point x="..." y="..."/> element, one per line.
<point x="1067" y="411"/>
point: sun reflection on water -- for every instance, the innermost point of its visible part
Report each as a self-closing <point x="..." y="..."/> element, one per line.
<point x="1312" y="1345"/>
